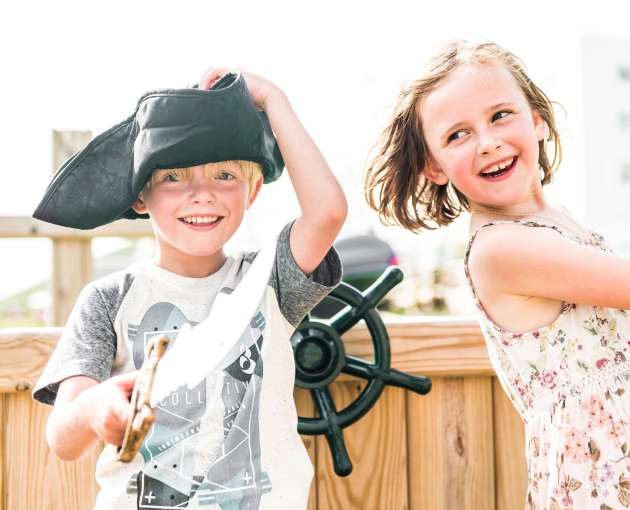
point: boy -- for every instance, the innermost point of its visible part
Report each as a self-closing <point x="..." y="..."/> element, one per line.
<point x="231" y="442"/>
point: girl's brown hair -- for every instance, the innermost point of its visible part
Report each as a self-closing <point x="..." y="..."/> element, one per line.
<point x="394" y="183"/>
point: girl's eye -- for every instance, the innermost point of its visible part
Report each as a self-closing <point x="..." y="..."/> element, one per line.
<point x="455" y="136"/>
<point x="501" y="115"/>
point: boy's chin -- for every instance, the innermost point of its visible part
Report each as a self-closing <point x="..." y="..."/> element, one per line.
<point x="190" y="250"/>
<point x="212" y="251"/>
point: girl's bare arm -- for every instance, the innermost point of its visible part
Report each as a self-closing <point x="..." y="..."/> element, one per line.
<point x="539" y="262"/>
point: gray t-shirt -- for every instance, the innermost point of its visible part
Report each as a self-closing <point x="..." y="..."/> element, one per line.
<point x="229" y="442"/>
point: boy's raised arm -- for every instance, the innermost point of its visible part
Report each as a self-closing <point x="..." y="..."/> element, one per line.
<point x="322" y="201"/>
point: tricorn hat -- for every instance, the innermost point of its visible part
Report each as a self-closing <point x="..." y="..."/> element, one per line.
<point x="171" y="128"/>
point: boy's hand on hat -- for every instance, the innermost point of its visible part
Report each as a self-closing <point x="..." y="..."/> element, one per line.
<point x="106" y="407"/>
<point x="259" y="88"/>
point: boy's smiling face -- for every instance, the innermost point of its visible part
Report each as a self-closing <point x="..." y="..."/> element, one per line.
<point x="194" y="212"/>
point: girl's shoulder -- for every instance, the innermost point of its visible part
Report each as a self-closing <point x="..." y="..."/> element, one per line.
<point x="503" y="256"/>
<point x="531" y="228"/>
<point x="502" y="274"/>
<point x="508" y="238"/>
<point x="526" y="258"/>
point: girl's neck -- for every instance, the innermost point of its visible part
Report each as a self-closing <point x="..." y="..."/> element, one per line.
<point x="544" y="214"/>
<point x="517" y="211"/>
<point x="535" y="204"/>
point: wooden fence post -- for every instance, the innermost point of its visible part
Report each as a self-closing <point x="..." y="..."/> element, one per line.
<point x="2" y="466"/>
<point x="72" y="258"/>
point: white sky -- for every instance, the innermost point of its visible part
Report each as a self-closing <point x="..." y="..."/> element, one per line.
<point x="82" y="65"/>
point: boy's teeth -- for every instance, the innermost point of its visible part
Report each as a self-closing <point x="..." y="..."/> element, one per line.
<point x="200" y="219"/>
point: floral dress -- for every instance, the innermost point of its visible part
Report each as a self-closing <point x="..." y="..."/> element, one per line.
<point x="569" y="382"/>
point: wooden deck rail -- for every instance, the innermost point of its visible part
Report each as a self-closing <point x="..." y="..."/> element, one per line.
<point x="72" y="253"/>
<point x="460" y="447"/>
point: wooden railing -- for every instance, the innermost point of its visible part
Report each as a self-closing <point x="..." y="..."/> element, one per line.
<point x="459" y="447"/>
<point x="72" y="253"/>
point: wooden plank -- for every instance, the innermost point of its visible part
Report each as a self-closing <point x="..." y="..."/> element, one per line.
<point x="305" y="407"/>
<point x="66" y="143"/>
<point x="24" y="226"/>
<point x="378" y="450"/>
<point x="23" y="355"/>
<point x="447" y="343"/>
<point x="2" y="463"/>
<point x="509" y="452"/>
<point x="37" y="479"/>
<point x="431" y="346"/>
<point x="72" y="270"/>
<point x="451" y="458"/>
<point x="72" y="258"/>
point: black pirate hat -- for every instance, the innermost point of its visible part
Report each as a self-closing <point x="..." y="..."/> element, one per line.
<point x="171" y="128"/>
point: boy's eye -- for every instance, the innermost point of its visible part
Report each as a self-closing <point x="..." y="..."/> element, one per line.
<point x="501" y="115"/>
<point x="225" y="176"/>
<point x="169" y="176"/>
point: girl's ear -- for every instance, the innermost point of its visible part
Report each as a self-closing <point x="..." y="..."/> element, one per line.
<point x="540" y="126"/>
<point x="139" y="206"/>
<point x="434" y="173"/>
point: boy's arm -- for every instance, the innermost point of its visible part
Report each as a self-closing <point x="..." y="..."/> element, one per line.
<point x="322" y="201"/>
<point x="86" y="411"/>
<point x="84" y="356"/>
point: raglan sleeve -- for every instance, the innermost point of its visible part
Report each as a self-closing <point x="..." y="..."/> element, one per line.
<point x="298" y="293"/>
<point x="86" y="347"/>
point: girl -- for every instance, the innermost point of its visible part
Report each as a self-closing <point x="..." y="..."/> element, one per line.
<point x="476" y="134"/>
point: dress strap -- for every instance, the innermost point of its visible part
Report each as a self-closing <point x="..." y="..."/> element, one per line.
<point x="469" y="247"/>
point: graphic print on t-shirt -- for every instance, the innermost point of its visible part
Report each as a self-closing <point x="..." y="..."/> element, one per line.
<point x="205" y="444"/>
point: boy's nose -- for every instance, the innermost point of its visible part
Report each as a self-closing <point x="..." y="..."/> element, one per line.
<point x="202" y="191"/>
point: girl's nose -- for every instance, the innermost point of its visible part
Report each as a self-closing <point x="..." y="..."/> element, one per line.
<point x="488" y="144"/>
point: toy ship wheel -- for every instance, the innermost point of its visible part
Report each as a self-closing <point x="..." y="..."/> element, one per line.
<point x="320" y="357"/>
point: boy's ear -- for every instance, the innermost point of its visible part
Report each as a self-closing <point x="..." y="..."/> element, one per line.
<point x="434" y="173"/>
<point x="253" y="193"/>
<point x="139" y="206"/>
<point x="540" y="126"/>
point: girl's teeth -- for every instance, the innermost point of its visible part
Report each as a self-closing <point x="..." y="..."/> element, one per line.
<point x="499" y="167"/>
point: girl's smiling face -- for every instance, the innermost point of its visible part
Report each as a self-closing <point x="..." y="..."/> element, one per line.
<point x="482" y="136"/>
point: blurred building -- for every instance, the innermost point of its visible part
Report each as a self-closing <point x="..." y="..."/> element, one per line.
<point x="606" y="136"/>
